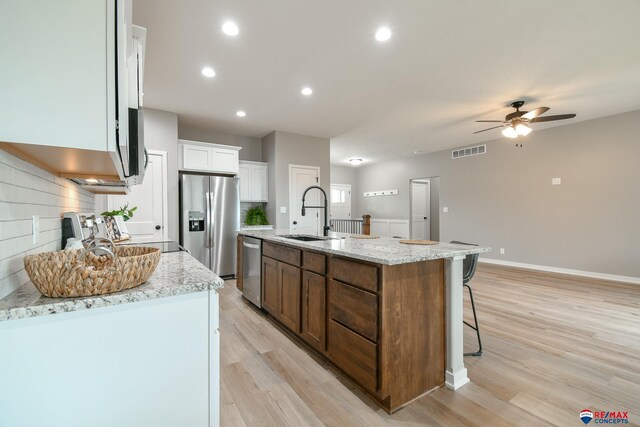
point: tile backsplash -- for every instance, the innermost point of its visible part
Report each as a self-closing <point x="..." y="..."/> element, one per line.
<point x="26" y="190"/>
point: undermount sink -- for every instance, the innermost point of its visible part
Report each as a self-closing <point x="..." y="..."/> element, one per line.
<point x="307" y="237"/>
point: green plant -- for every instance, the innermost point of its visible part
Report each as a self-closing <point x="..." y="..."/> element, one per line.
<point x="256" y="216"/>
<point x="126" y="213"/>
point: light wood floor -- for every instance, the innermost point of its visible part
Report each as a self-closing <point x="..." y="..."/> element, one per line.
<point x="554" y="345"/>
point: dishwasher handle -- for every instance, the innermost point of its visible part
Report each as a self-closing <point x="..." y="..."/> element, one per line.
<point x="250" y="245"/>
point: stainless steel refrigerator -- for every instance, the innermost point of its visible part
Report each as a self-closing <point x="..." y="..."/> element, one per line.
<point x="210" y="219"/>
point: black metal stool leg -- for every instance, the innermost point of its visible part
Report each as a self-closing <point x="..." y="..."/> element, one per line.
<point x="476" y="327"/>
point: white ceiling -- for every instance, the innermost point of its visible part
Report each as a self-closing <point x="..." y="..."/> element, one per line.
<point x="449" y="62"/>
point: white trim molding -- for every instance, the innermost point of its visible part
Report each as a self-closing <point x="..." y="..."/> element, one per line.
<point x="581" y="273"/>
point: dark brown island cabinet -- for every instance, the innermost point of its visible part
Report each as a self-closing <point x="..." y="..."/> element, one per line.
<point x="383" y="326"/>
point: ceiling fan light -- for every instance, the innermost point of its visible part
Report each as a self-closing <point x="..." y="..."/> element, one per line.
<point x="510" y="132"/>
<point x="523" y="129"/>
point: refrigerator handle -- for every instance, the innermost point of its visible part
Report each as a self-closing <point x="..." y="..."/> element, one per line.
<point x="208" y="219"/>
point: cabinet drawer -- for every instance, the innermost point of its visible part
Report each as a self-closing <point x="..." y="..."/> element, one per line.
<point x="281" y="253"/>
<point x="356" y="356"/>
<point x="354" y="308"/>
<point x="354" y="273"/>
<point x="314" y="262"/>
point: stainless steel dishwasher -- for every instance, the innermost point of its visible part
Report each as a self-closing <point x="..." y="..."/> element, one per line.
<point x="251" y="270"/>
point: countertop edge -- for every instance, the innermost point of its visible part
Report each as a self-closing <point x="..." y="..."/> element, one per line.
<point x="99" y="301"/>
<point x="406" y="260"/>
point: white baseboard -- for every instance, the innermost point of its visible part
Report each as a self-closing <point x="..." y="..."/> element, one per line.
<point x="591" y="274"/>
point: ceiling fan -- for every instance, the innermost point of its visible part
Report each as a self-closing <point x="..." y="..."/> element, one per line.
<point x="517" y="123"/>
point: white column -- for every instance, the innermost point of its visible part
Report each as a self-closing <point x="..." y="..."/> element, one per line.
<point x="456" y="373"/>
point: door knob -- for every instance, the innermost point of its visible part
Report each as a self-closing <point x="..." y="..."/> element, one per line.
<point x="295" y="222"/>
<point x="158" y="227"/>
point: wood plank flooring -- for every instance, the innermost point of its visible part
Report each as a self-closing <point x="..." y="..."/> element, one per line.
<point x="553" y="345"/>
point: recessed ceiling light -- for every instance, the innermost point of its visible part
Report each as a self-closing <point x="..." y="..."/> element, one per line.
<point x="383" y="34"/>
<point x="208" y="72"/>
<point x="355" y="162"/>
<point x="306" y="91"/>
<point x="241" y="113"/>
<point x="230" y="28"/>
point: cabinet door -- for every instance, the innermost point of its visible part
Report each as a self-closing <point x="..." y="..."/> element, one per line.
<point x="270" y="285"/>
<point x="289" y="313"/>
<point x="225" y="161"/>
<point x="244" y="173"/>
<point x="196" y="157"/>
<point x="259" y="181"/>
<point x="313" y="309"/>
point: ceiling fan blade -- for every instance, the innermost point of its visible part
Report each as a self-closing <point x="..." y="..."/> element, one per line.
<point x="490" y="121"/>
<point x="553" y="118"/>
<point x="535" y="113"/>
<point x="483" y="130"/>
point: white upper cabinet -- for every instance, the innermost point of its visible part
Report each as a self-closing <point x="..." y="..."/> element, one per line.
<point x="254" y="182"/>
<point x="196" y="157"/>
<point x="245" y="181"/>
<point x="64" y="82"/>
<point x="206" y="157"/>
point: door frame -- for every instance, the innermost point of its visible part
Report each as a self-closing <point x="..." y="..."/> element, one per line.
<point x="165" y="193"/>
<point x="330" y="203"/>
<point x="291" y="199"/>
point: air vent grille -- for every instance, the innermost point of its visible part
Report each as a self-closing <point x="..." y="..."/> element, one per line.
<point x="469" y="151"/>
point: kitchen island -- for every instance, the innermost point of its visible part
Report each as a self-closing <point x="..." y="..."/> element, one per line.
<point x="143" y="356"/>
<point x="386" y="314"/>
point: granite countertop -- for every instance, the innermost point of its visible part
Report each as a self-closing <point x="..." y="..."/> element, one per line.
<point x="384" y="250"/>
<point x="177" y="273"/>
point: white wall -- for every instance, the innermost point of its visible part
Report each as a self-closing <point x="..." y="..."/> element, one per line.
<point x="282" y="149"/>
<point x="26" y="190"/>
<point x="504" y="199"/>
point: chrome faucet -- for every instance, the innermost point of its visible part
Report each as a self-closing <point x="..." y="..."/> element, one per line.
<point x="326" y="226"/>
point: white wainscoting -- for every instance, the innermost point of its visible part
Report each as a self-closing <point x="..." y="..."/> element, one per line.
<point x="390" y="227"/>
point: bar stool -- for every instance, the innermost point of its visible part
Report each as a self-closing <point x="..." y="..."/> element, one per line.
<point x="468" y="270"/>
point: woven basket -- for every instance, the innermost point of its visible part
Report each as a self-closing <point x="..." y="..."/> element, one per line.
<point x="61" y="275"/>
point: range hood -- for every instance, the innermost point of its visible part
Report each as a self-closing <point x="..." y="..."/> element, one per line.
<point x="103" y="185"/>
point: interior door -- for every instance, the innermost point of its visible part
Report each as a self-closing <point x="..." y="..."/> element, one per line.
<point x="301" y="178"/>
<point x="340" y="201"/>
<point x="148" y="222"/>
<point x="420" y="210"/>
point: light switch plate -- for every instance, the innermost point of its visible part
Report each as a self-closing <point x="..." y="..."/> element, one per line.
<point x="556" y="181"/>
<point x="283" y="209"/>
<point x="445" y="209"/>
<point x="501" y="251"/>
<point x="35" y="229"/>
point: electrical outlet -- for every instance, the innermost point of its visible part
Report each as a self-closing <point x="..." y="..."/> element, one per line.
<point x="283" y="209"/>
<point x="445" y="209"/>
<point x="35" y="229"/>
<point x="501" y="251"/>
<point x="556" y="181"/>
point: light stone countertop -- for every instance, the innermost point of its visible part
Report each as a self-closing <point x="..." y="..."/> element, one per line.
<point x="177" y="273"/>
<point x="385" y="250"/>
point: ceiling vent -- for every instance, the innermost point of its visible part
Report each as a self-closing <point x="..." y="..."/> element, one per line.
<point x="469" y="151"/>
